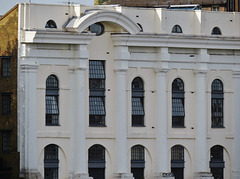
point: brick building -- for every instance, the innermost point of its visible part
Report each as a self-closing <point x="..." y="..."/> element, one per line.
<point x="9" y="155"/>
<point x="212" y="5"/>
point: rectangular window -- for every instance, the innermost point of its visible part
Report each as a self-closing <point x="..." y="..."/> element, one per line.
<point x="6" y="67"/>
<point x="178" y="111"/>
<point x="6" y="103"/>
<point x="6" y="147"/>
<point x="97" y="93"/>
<point x="137" y="111"/>
<point x="217" y="112"/>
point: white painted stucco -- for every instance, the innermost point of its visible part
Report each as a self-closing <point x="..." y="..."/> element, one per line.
<point x="157" y="56"/>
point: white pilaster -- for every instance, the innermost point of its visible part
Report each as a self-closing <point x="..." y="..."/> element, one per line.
<point x="162" y="160"/>
<point x="79" y="117"/>
<point x="29" y="116"/>
<point x="201" y="164"/>
<point x="121" y="67"/>
<point x="236" y="159"/>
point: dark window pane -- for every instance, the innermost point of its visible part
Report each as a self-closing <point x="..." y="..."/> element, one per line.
<point x="50" y="24"/>
<point x="97" y="89"/>
<point x="176" y="29"/>
<point x="178" y="111"/>
<point x="217" y="153"/>
<point x="137" y="152"/>
<point x="217" y="103"/>
<point x="6" y="146"/>
<point x="96" y="152"/>
<point x="137" y="102"/>
<point x="97" y="28"/>
<point x="6" y="104"/>
<point x="96" y="70"/>
<point x="6" y="67"/>
<point x="216" y="31"/>
<point x="51" y="101"/>
<point x="51" y="152"/>
<point x="177" y="153"/>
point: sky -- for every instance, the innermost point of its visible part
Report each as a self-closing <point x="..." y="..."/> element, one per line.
<point x="6" y="5"/>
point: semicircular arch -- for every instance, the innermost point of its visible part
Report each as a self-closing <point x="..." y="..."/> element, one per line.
<point x="79" y="24"/>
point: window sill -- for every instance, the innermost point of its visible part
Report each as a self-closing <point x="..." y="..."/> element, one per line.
<point x="178" y="127"/>
<point x="98" y="126"/>
<point x="53" y="125"/>
<point x="138" y="126"/>
<point x="218" y="127"/>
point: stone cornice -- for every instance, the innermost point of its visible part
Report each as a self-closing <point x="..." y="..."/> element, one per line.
<point x="56" y="37"/>
<point x="177" y="41"/>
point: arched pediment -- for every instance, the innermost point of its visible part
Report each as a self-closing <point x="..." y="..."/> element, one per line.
<point x="79" y="24"/>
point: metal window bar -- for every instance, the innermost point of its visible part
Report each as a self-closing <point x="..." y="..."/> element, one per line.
<point x="96" y="69"/>
<point x="217" y="103"/>
<point x="137" y="153"/>
<point x="96" y="152"/>
<point x="177" y="153"/>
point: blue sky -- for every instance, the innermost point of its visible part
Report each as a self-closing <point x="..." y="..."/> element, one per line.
<point x="6" y="5"/>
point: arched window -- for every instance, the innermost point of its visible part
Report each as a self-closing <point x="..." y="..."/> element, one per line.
<point x="52" y="110"/>
<point x="96" y="161"/>
<point x="216" y="31"/>
<point x="97" y="28"/>
<point x="137" y="102"/>
<point x="178" y="112"/>
<point x="176" y="29"/>
<point x="217" y="163"/>
<point x="177" y="161"/>
<point x="51" y="162"/>
<point x="137" y="161"/>
<point x="217" y="104"/>
<point x="50" y="24"/>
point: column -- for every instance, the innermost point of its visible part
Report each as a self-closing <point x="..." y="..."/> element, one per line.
<point x="78" y="141"/>
<point x="29" y="116"/>
<point x="201" y="159"/>
<point x="121" y="67"/>
<point x="236" y="156"/>
<point x="162" y="160"/>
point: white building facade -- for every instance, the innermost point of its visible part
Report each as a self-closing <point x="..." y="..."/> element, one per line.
<point x="152" y="91"/>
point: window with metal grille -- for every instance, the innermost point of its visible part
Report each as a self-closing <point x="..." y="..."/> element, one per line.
<point x="97" y="93"/>
<point x="176" y="29"/>
<point x="6" y="104"/>
<point x="96" y="152"/>
<point x="51" y="162"/>
<point x="217" y="163"/>
<point x="178" y="112"/>
<point x="137" y="102"/>
<point x="52" y="109"/>
<point x="137" y="152"/>
<point x="177" y="153"/>
<point x="217" y="104"/>
<point x="6" y="67"/>
<point x="6" y="144"/>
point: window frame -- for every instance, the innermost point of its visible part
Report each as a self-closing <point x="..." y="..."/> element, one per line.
<point x="177" y="29"/>
<point x="97" y="80"/>
<point x="137" y="102"/>
<point x="52" y="101"/>
<point x="217" y="105"/>
<point x="178" y="103"/>
<point x="51" y="164"/>
<point x="216" y="31"/>
<point x="6" y="66"/>
<point x="6" y="140"/>
<point x="6" y="103"/>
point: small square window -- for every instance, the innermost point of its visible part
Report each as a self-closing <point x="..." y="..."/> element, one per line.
<point x="6" y="104"/>
<point x="6" y="147"/>
<point x="6" y="67"/>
